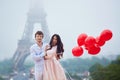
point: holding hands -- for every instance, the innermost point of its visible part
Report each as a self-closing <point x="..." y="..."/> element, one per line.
<point x="46" y="48"/>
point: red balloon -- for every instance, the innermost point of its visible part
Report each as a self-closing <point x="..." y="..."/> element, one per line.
<point x="90" y="41"/>
<point x="77" y="51"/>
<point x="99" y="42"/>
<point x="81" y="39"/>
<point x="106" y="35"/>
<point x="94" y="50"/>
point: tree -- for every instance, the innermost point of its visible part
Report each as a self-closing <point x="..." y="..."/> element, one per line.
<point x="110" y="72"/>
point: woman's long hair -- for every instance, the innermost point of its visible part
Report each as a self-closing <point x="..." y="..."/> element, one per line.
<point x="59" y="44"/>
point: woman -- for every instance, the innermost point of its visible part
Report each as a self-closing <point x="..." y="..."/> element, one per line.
<point x="52" y="68"/>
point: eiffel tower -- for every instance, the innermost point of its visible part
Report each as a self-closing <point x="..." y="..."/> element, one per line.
<point x="36" y="14"/>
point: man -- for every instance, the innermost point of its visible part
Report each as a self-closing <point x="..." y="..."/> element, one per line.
<point x="37" y="53"/>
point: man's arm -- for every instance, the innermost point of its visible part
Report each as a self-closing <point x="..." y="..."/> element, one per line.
<point x="36" y="56"/>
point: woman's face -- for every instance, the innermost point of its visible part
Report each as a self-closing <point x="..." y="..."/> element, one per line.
<point x="54" y="42"/>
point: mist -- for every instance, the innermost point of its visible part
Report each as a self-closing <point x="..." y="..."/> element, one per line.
<point x="68" y="18"/>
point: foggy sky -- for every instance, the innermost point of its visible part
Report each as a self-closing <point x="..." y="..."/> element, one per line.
<point x="68" y="18"/>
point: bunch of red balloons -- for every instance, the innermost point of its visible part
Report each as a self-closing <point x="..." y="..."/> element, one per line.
<point x="90" y="43"/>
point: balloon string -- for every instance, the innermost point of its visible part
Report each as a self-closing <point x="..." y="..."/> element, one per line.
<point x="69" y="77"/>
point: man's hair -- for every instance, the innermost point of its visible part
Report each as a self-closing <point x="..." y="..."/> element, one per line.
<point x="39" y="33"/>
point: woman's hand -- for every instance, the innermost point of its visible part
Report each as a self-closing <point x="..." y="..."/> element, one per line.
<point x="45" y="57"/>
<point x="46" y="47"/>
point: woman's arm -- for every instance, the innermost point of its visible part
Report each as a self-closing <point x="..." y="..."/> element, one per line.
<point x="48" y="56"/>
<point x="59" y="55"/>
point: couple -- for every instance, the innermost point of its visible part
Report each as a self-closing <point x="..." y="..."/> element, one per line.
<point x="47" y="66"/>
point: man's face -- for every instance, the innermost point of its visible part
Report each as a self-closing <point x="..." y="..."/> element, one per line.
<point x="39" y="38"/>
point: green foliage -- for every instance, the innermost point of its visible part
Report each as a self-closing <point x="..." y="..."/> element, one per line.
<point x="1" y="78"/>
<point x="28" y="65"/>
<point x="116" y="61"/>
<point x="6" y="66"/>
<point x="110" y="72"/>
<point x="76" y="77"/>
<point x="95" y="67"/>
<point x="74" y="66"/>
<point x="79" y="65"/>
